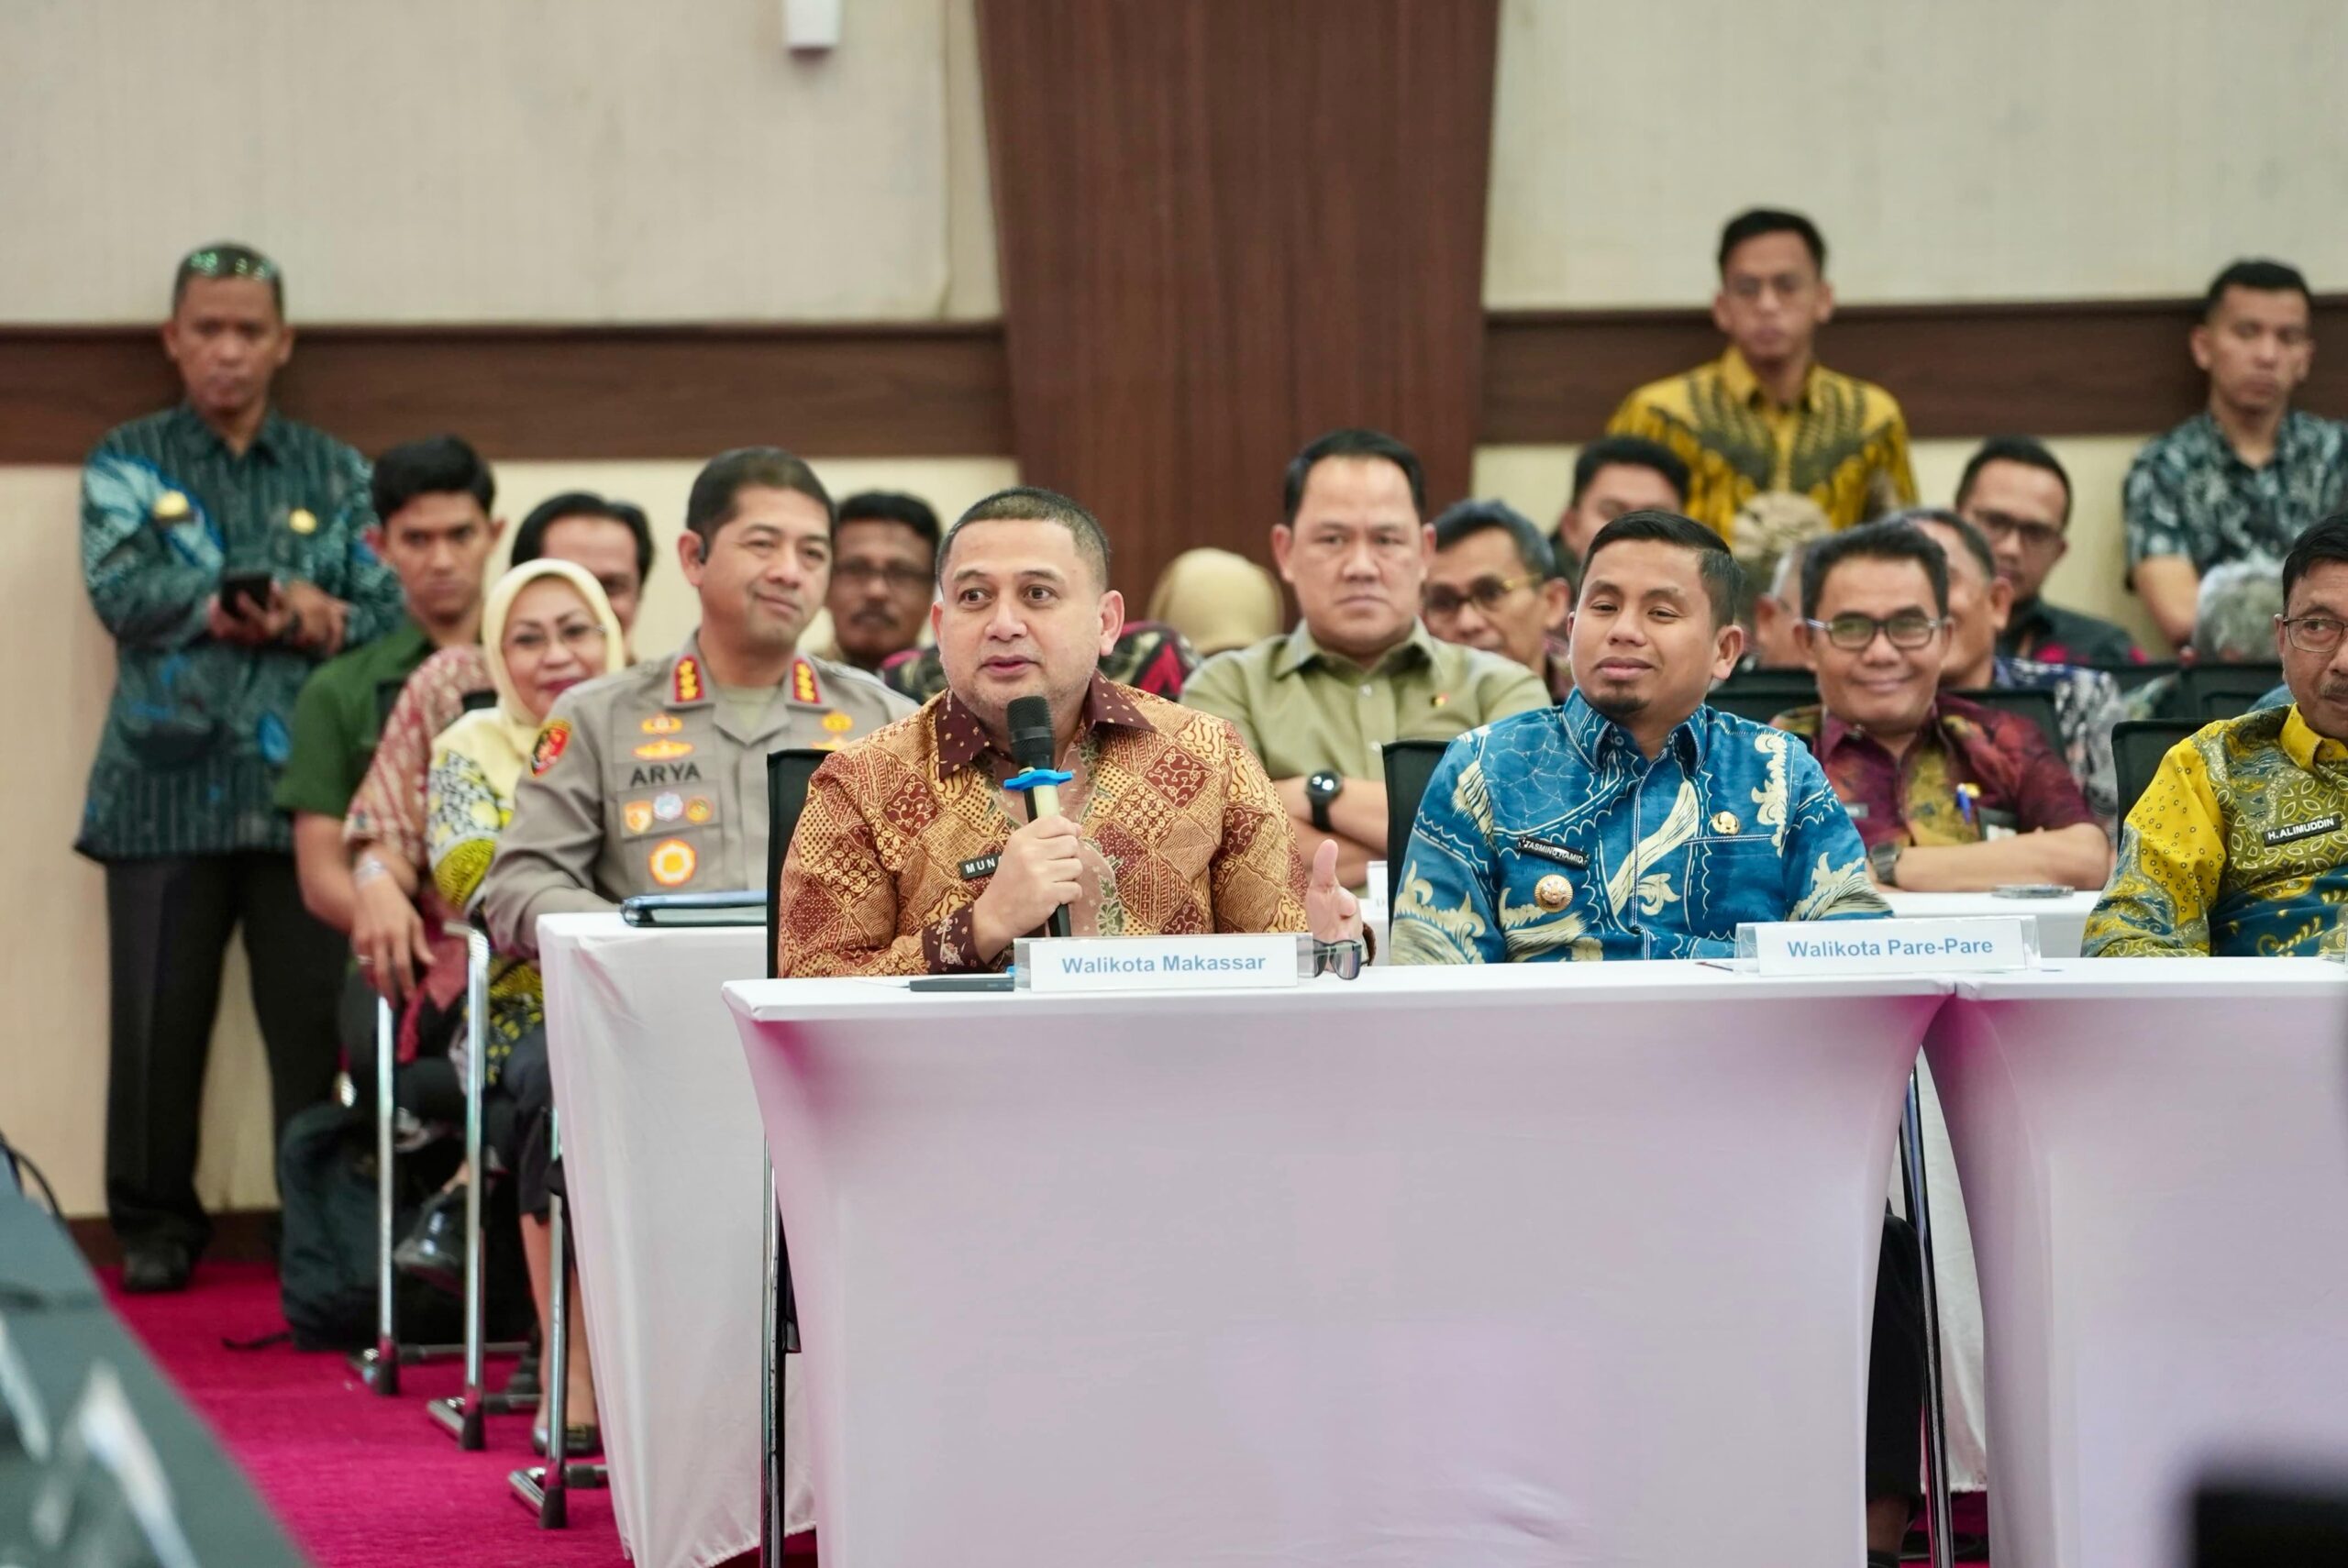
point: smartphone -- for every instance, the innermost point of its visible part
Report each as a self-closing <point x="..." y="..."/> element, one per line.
<point x="962" y="983"/>
<point x="2031" y="890"/>
<point x="246" y="593"/>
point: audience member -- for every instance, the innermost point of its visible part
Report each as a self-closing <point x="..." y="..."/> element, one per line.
<point x="1529" y="846"/>
<point x="547" y="627"/>
<point x="1218" y="600"/>
<point x="397" y="927"/>
<point x="2086" y="701"/>
<point x="1495" y="585"/>
<point x="1766" y="414"/>
<point x="434" y="529"/>
<point x="2247" y="475"/>
<point x="1948" y="795"/>
<point x="884" y="561"/>
<point x="1776" y="617"/>
<point x="1771" y="528"/>
<point x="1612" y="475"/>
<point x="222" y="549"/>
<point x="2238" y="847"/>
<point x="2233" y="623"/>
<point x="1360" y="668"/>
<point x="2019" y="494"/>
<point x="912" y="857"/>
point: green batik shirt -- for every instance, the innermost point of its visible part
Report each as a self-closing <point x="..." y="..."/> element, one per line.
<point x="198" y="729"/>
<point x="2238" y="848"/>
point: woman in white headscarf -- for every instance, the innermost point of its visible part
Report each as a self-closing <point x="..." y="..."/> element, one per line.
<point x="546" y="627"/>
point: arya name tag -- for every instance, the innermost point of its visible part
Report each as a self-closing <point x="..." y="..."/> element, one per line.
<point x="1266" y="962"/>
<point x="1965" y="944"/>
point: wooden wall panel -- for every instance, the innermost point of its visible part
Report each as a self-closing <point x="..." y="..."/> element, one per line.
<point x="1224" y="228"/>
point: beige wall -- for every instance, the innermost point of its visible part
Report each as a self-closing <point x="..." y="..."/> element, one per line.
<point x="1993" y="149"/>
<point x="52" y="933"/>
<point x="1536" y="481"/>
<point x="527" y="160"/>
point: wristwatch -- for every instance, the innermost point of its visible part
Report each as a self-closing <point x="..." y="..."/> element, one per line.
<point x="1320" y="790"/>
<point x="1884" y="861"/>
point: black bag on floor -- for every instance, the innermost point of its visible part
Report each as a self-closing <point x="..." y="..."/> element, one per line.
<point x="326" y="1179"/>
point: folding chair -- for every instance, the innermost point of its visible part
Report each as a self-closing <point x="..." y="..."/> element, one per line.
<point x="2032" y="702"/>
<point x="2137" y="747"/>
<point x="547" y="1487"/>
<point x="379" y="1366"/>
<point x="460" y="1414"/>
<point x="1409" y="764"/>
<point x="2214" y="691"/>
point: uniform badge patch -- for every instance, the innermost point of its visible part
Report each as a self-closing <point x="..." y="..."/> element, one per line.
<point x="302" y="520"/>
<point x="548" y="749"/>
<point x="637" y="815"/>
<point x="700" y="808"/>
<point x="171" y="507"/>
<point x="662" y="750"/>
<point x="672" y="863"/>
<point x="668" y="805"/>
<point x="803" y="682"/>
<point x="839" y="724"/>
<point x="662" y="725"/>
<point x="686" y="687"/>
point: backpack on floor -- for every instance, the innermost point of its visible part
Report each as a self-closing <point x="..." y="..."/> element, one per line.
<point x="325" y="1180"/>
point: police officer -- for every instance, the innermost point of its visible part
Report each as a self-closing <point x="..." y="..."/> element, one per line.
<point x="221" y="547"/>
<point x="654" y="780"/>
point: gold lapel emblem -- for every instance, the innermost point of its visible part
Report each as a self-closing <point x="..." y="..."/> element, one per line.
<point x="302" y="520"/>
<point x="1725" y="823"/>
<point x="1552" y="892"/>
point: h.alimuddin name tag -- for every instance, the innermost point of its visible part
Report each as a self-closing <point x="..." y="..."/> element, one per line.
<point x="1160" y="963"/>
<point x="1953" y="945"/>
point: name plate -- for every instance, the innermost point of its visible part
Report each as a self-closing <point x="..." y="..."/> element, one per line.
<point x="1964" y="945"/>
<point x="1159" y="963"/>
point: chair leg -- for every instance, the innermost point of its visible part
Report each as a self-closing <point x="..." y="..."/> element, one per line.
<point x="461" y="1415"/>
<point x="772" y="1447"/>
<point x="547" y="1487"/>
<point x="380" y="1368"/>
<point x="1914" y="1188"/>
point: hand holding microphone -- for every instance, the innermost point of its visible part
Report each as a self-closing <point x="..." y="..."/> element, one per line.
<point x="1039" y="876"/>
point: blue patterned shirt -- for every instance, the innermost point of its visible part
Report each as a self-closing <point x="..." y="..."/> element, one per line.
<point x="1550" y="835"/>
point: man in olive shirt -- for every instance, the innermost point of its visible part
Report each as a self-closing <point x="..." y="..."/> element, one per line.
<point x="1319" y="705"/>
<point x="221" y="546"/>
<point x="434" y="529"/>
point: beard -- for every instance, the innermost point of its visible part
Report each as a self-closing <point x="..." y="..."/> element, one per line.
<point x="1618" y="704"/>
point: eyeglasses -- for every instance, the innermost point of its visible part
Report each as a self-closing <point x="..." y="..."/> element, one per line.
<point x="1856" y="633"/>
<point x="897" y="578"/>
<point x="1342" y="960"/>
<point x="2312" y="634"/>
<point x="577" y="639"/>
<point x="1486" y="593"/>
<point x="2033" y="535"/>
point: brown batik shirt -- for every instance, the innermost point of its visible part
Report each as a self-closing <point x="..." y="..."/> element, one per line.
<point x="1182" y="834"/>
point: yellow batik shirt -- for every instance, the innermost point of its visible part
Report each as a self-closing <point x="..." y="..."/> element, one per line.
<point x="2237" y="849"/>
<point x="1842" y="442"/>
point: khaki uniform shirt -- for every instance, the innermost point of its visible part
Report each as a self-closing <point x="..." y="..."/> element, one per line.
<point x="1302" y="708"/>
<point x="641" y="783"/>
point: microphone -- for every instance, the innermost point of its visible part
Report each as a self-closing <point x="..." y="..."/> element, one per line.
<point x="1029" y="720"/>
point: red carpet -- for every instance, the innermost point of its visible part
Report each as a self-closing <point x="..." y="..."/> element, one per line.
<point x="364" y="1482"/>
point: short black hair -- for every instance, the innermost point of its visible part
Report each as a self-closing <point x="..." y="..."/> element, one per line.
<point x="725" y="477"/>
<point x="893" y="506"/>
<point x="530" y="538"/>
<point x="1724" y="578"/>
<point x="1630" y="452"/>
<point x="227" y="259"/>
<point x="1468" y="518"/>
<point x="1885" y="540"/>
<point x="438" y="465"/>
<point x="2327" y="541"/>
<point x="2255" y="273"/>
<point x="2021" y="450"/>
<point x="1975" y="543"/>
<point x="1032" y="503"/>
<point x="1355" y="443"/>
<point x="1757" y="221"/>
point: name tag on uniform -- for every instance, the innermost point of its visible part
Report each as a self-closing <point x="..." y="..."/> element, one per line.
<point x="978" y="866"/>
<point x="1556" y="854"/>
<point x="2298" y="831"/>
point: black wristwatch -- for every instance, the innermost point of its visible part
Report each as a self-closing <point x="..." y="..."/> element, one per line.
<point x="1320" y="790"/>
<point x="1884" y="861"/>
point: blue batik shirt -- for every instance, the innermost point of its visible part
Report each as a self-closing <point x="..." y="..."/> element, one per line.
<point x="1550" y="835"/>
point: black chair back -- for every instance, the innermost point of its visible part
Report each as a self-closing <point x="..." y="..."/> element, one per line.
<point x="2134" y="674"/>
<point x="2036" y="706"/>
<point x="1409" y="765"/>
<point x="788" y="773"/>
<point x="2137" y="747"/>
<point x="1760" y="703"/>
<point x="2214" y="691"/>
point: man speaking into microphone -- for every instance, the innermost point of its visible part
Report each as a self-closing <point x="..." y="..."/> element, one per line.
<point x="913" y="857"/>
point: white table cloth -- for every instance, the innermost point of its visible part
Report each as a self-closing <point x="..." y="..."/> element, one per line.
<point x="665" y="1168"/>
<point x="1531" y="1265"/>
<point x="2155" y="1159"/>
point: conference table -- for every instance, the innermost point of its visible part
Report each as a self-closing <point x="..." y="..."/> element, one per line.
<point x="1504" y="1265"/>
<point x="2155" y="1159"/>
<point x="665" y="1170"/>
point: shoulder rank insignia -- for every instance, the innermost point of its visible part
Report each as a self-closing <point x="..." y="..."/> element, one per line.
<point x="803" y="682"/>
<point x="685" y="684"/>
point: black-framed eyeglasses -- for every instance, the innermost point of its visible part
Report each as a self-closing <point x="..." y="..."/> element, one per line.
<point x="2312" y="634"/>
<point x="1910" y="629"/>
<point x="2034" y="534"/>
<point x="1486" y="593"/>
<point x="1342" y="960"/>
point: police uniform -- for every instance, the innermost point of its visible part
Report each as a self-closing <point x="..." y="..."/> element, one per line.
<point x="642" y="782"/>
